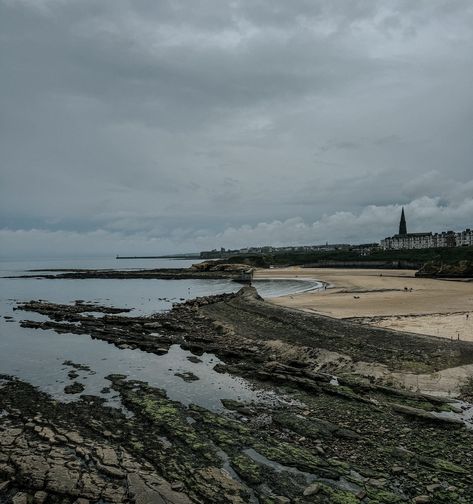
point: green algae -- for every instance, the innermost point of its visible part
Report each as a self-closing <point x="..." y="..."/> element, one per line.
<point x="303" y="426"/>
<point x="194" y="446"/>
<point x="225" y="432"/>
<point x="445" y="465"/>
<point x="292" y="455"/>
<point x="247" y="469"/>
<point x="171" y="419"/>
<point x="383" y="497"/>
<point x="336" y="496"/>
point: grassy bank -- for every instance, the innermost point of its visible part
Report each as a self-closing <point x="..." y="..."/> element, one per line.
<point x="403" y="257"/>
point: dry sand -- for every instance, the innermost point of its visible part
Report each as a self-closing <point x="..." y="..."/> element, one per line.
<point x="378" y="297"/>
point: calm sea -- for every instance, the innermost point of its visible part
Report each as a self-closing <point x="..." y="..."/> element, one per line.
<point x="37" y="356"/>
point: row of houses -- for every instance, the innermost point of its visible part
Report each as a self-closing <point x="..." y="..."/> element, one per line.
<point x="225" y="253"/>
<point x="428" y="240"/>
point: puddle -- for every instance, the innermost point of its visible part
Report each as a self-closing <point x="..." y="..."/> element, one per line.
<point x="46" y="368"/>
<point x="465" y="413"/>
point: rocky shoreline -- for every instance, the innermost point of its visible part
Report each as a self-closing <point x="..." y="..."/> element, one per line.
<point x="340" y="440"/>
<point x="438" y="269"/>
<point x="243" y="326"/>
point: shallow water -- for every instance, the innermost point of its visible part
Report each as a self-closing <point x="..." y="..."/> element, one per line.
<point x="37" y="356"/>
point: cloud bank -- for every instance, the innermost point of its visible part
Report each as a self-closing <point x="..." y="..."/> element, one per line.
<point x="341" y="227"/>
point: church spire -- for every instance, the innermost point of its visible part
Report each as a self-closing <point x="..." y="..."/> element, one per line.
<point x="402" y="224"/>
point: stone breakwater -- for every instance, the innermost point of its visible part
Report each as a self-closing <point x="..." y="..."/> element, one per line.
<point x="338" y="440"/>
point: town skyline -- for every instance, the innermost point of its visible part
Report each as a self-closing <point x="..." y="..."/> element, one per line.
<point x="400" y="240"/>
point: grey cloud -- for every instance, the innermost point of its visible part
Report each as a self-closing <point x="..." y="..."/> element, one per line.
<point x="423" y="214"/>
<point x="157" y="117"/>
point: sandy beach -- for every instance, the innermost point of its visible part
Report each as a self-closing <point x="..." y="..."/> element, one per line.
<point x="385" y="298"/>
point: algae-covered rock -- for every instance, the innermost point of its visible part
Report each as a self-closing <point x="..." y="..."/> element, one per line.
<point x="247" y="469"/>
<point x="312" y="427"/>
<point x="292" y="455"/>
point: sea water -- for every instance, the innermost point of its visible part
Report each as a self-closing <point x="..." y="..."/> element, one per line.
<point x="38" y="356"/>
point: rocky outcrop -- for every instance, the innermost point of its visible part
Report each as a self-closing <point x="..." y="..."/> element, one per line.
<point x="42" y="459"/>
<point x="239" y="327"/>
<point x="207" y="271"/>
<point x="436" y="269"/>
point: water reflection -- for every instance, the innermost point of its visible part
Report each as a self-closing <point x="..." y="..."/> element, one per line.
<point x="37" y="356"/>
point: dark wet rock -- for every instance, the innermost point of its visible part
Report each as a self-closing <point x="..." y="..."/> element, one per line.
<point x="228" y="271"/>
<point x="40" y="497"/>
<point x="48" y="309"/>
<point x="156" y="491"/>
<point x="75" y="365"/>
<point x="194" y="359"/>
<point x="4" y="486"/>
<point x="312" y="489"/>
<point x="152" y="325"/>
<point x="114" y="472"/>
<point x="20" y="498"/>
<point x="187" y="376"/>
<point x="74" y="388"/>
<point x="238" y="406"/>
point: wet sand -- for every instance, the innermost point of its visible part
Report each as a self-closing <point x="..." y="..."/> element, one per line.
<point x="378" y="297"/>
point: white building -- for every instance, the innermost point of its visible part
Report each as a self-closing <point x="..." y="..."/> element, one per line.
<point x="404" y="240"/>
<point x="464" y="238"/>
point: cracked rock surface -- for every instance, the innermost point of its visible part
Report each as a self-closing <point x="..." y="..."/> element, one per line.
<point x="44" y="459"/>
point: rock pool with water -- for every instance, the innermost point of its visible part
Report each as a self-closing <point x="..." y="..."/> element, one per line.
<point x="38" y="357"/>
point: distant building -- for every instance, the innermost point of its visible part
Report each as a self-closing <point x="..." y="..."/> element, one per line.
<point x="404" y="240"/>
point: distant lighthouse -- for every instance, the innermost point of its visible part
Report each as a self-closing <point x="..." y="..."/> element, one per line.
<point x="402" y="224"/>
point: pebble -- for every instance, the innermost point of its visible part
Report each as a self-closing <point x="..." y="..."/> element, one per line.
<point x="421" y="499"/>
<point x="312" y="489"/>
<point x="40" y="497"/>
<point x="20" y="498"/>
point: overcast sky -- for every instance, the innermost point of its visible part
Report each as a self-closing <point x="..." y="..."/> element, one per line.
<point x="152" y="126"/>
